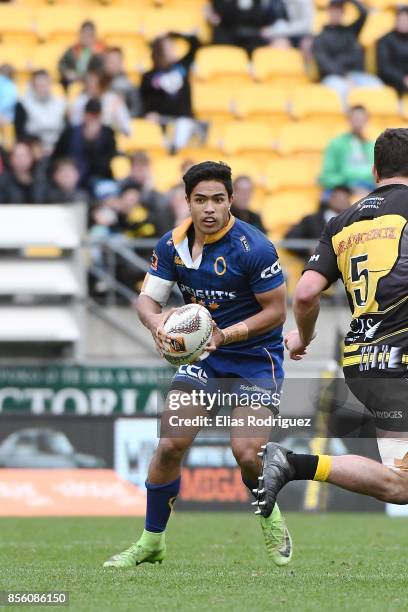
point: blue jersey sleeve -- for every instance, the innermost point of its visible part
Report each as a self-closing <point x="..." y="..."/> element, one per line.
<point x="162" y="261"/>
<point x="264" y="269"/>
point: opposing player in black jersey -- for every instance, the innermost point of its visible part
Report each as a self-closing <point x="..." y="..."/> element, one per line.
<point x="367" y="247"/>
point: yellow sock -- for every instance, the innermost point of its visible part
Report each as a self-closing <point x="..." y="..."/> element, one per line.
<point x="323" y="469"/>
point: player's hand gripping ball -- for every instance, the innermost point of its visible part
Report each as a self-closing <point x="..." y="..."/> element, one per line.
<point x="189" y="329"/>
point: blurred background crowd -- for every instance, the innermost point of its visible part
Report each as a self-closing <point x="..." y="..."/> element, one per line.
<point x="110" y="103"/>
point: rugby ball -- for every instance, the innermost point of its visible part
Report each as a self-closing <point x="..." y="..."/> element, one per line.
<point x="191" y="329"/>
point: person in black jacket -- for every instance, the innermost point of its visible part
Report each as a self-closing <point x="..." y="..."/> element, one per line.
<point x="311" y="226"/>
<point x="23" y="182"/>
<point x="243" y="190"/>
<point x="339" y="55"/>
<point x="240" y="23"/>
<point x="165" y="90"/>
<point x="91" y="144"/>
<point x="392" y="54"/>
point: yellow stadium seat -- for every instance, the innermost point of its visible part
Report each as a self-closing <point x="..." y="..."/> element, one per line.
<point x="376" y="25"/>
<point x="286" y="173"/>
<point x="212" y="149"/>
<point x="283" y="66"/>
<point x="316" y="102"/>
<point x="212" y="103"/>
<point x="57" y="20"/>
<point x="46" y="56"/>
<point x="260" y="102"/>
<point x="221" y="64"/>
<point x="242" y="165"/>
<point x="302" y="138"/>
<point x="159" y="21"/>
<point x="248" y="137"/>
<point x="16" y="56"/>
<point x="284" y="209"/>
<point x="116" y="21"/>
<point x="167" y="172"/>
<point x="120" y="166"/>
<point x="380" y="103"/>
<point x="145" y="135"/>
<point x="15" y="19"/>
<point x="384" y="4"/>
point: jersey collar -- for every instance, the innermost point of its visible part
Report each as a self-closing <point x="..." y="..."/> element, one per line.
<point x="180" y="232"/>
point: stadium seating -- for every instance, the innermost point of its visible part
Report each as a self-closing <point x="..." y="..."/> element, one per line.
<point x="316" y="102"/>
<point x="222" y="64"/>
<point x="145" y="135"/>
<point x="280" y="66"/>
<point x="289" y="174"/>
<point x="302" y="138"/>
<point x="382" y="105"/>
<point x="248" y="137"/>
<point x="43" y="265"/>
<point x="284" y="209"/>
<point x="212" y="103"/>
<point x="265" y="103"/>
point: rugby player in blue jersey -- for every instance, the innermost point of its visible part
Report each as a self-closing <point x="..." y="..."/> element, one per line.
<point x="233" y="270"/>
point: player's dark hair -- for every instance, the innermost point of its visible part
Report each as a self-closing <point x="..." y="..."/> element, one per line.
<point x="402" y="9"/>
<point x="208" y="171"/>
<point x="391" y="153"/>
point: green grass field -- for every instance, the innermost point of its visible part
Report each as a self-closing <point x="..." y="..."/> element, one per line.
<point x="215" y="562"/>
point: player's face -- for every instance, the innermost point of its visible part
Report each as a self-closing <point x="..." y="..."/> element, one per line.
<point x="209" y="206"/>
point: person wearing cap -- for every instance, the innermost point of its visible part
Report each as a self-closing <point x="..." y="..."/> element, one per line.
<point x="392" y="53"/>
<point x="339" y="55"/>
<point x="92" y="145"/>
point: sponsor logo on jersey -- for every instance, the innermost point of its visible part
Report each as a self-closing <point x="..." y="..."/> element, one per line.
<point x="371" y="203"/>
<point x="194" y="372"/>
<point x="381" y="233"/>
<point x="178" y="261"/>
<point x="314" y="258"/>
<point x="154" y="261"/>
<point x="272" y="270"/>
<point x="210" y="294"/>
<point x="245" y="243"/>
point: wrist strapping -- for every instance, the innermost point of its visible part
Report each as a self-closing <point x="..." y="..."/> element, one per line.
<point x="235" y="333"/>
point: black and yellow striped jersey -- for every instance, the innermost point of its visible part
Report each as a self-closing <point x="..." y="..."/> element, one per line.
<point x="367" y="247"/>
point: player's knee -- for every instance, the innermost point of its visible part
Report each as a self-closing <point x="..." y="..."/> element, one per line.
<point x="246" y="457"/>
<point x="395" y="488"/>
<point x="170" y="451"/>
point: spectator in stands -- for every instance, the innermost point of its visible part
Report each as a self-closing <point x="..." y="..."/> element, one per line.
<point x="22" y="182"/>
<point x="296" y="26"/>
<point x="311" y="226"/>
<point x="91" y="144"/>
<point x="392" y="54"/>
<point x="176" y="210"/>
<point x="8" y="94"/>
<point x="141" y="173"/>
<point x="339" y="55"/>
<point x="348" y="159"/>
<point x="119" y="81"/>
<point x="63" y="187"/>
<point x="243" y="191"/>
<point x="165" y="90"/>
<point x="115" y="113"/>
<point x="85" y="54"/>
<point x="135" y="220"/>
<point x="241" y="22"/>
<point x="39" y="112"/>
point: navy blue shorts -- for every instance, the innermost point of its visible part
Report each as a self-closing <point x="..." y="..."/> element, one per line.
<point x="245" y="375"/>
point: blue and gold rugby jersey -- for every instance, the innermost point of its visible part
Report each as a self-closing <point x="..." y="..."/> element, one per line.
<point x="237" y="262"/>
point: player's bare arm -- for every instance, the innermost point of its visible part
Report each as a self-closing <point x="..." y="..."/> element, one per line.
<point x="306" y="307"/>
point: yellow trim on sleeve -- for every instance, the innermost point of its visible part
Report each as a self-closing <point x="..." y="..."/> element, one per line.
<point x="324" y="465"/>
